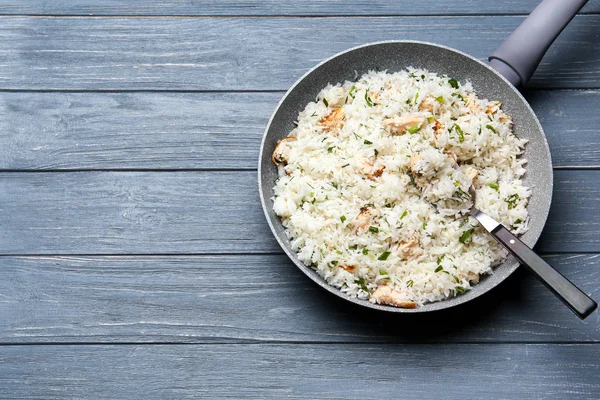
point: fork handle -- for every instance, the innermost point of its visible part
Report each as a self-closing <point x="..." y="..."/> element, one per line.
<point x="580" y="303"/>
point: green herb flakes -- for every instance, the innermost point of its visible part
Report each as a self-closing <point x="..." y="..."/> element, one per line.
<point x="384" y="256"/>
<point x="512" y="201"/>
<point x="368" y="142"/>
<point x="352" y="91"/>
<point x="373" y="229"/>
<point x="353" y="247"/>
<point x="365" y="251"/>
<point x="438" y="269"/>
<point x="461" y="134"/>
<point x="494" y="186"/>
<point x="325" y="102"/>
<point x="453" y="82"/>
<point x="413" y="129"/>
<point x="467" y="236"/>
<point x="440" y="99"/>
<point x="404" y="214"/>
<point x="343" y="218"/>
<point x="370" y="102"/>
<point x="363" y="285"/>
<point x="491" y="128"/>
<point x="409" y="283"/>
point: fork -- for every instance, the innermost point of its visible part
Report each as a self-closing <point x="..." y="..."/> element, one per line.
<point x="580" y="303"/>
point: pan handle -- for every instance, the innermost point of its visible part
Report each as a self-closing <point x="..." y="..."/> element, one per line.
<point x="518" y="57"/>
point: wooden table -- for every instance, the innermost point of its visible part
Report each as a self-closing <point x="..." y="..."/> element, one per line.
<point x="136" y="261"/>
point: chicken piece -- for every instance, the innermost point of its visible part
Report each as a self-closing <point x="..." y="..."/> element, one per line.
<point x="282" y="151"/>
<point x="333" y="120"/>
<point x="493" y="107"/>
<point x="427" y="104"/>
<point x="363" y="220"/>
<point x="370" y="171"/>
<point x="349" y="268"/>
<point x="400" y="125"/>
<point x="473" y="278"/>
<point x="414" y="159"/>
<point x="452" y="156"/>
<point x="504" y="118"/>
<point x="392" y="297"/>
<point x="473" y="104"/>
<point x="471" y="173"/>
<point x="410" y="248"/>
<point x="438" y="127"/>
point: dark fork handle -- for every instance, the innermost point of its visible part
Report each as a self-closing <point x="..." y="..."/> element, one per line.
<point x="580" y="303"/>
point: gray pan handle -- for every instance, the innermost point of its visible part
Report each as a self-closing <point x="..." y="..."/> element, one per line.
<point x="518" y="57"/>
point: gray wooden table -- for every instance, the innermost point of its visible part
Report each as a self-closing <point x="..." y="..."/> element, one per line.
<point x="135" y="259"/>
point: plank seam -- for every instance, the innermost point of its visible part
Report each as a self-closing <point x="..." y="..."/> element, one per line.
<point x="296" y="342"/>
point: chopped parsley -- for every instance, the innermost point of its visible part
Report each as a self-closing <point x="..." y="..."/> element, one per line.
<point x="494" y="186"/>
<point x="409" y="283"/>
<point x="353" y="247"/>
<point x="335" y="185"/>
<point x="440" y="258"/>
<point x="491" y="128"/>
<point x="376" y="152"/>
<point x="404" y="214"/>
<point x="430" y="119"/>
<point x="370" y="102"/>
<point x="413" y="129"/>
<point x="343" y="218"/>
<point x="330" y="149"/>
<point x="363" y="285"/>
<point x="453" y="82"/>
<point x="368" y="142"/>
<point x="345" y="165"/>
<point x="373" y="229"/>
<point x="365" y="251"/>
<point x="383" y="272"/>
<point x="384" y="256"/>
<point x="352" y="90"/>
<point x="461" y="134"/>
<point x="460" y="289"/>
<point x="325" y="102"/>
<point x="512" y="201"/>
<point x="440" y="99"/>
<point x="467" y="236"/>
<point x="334" y="263"/>
<point x="438" y="269"/>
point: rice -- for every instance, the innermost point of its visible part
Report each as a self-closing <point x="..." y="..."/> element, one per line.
<point x="373" y="186"/>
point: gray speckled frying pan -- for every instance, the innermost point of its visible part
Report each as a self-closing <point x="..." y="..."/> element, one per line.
<point x="511" y="66"/>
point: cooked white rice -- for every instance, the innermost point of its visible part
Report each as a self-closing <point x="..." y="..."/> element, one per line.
<point x="370" y="201"/>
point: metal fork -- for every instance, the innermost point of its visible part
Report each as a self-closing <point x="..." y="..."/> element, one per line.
<point x="580" y="303"/>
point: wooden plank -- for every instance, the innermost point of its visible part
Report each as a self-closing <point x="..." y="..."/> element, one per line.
<point x="66" y="131"/>
<point x="207" y="299"/>
<point x="249" y="53"/>
<point x="271" y="7"/>
<point x="297" y="371"/>
<point x="202" y="212"/>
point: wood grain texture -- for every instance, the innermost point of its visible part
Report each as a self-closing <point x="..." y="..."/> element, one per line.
<point x="271" y="7"/>
<point x="52" y="53"/>
<point x="202" y="212"/>
<point x="79" y="131"/>
<point x="207" y="299"/>
<point x="293" y="371"/>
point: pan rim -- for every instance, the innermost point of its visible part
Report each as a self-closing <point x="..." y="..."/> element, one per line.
<point x="510" y="264"/>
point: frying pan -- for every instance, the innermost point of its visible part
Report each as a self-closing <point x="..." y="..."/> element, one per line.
<point x="510" y="67"/>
